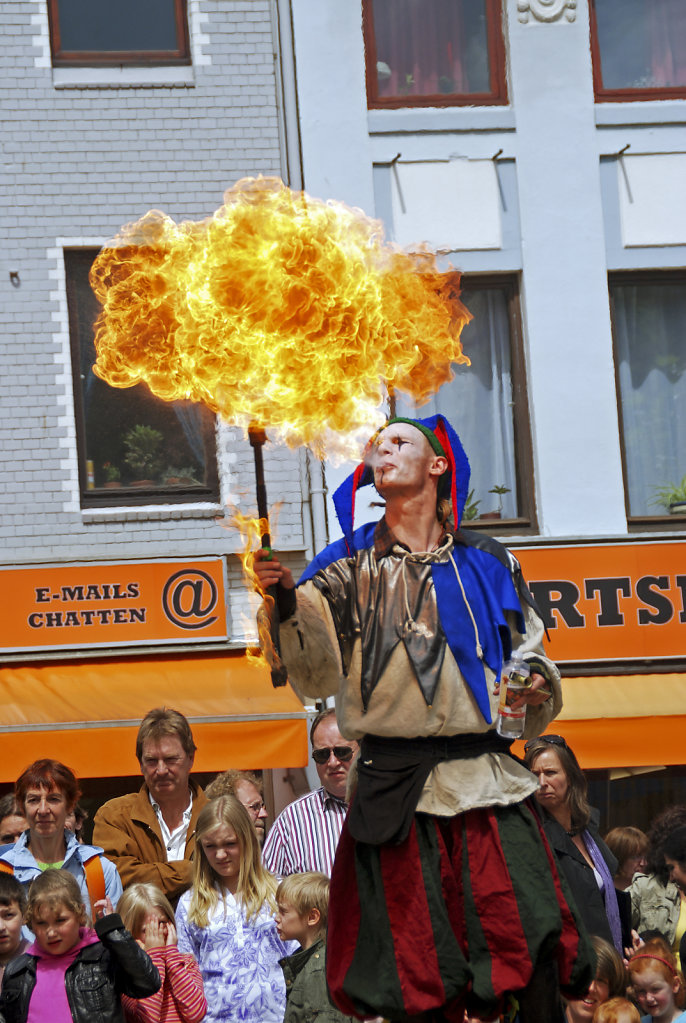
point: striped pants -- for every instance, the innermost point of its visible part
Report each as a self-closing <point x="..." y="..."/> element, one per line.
<point x="457" y="916"/>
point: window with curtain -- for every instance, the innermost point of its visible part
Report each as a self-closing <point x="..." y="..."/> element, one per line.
<point x="639" y="49"/>
<point x="87" y="32"/>
<point x="486" y="403"/>
<point x="648" y="317"/>
<point x="434" y="52"/>
<point x="133" y="448"/>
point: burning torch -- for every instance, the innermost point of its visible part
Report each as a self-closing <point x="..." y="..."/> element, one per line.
<point x="279" y="310"/>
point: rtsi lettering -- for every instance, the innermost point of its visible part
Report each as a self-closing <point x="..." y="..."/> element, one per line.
<point x="189" y="598"/>
<point x="610" y="602"/>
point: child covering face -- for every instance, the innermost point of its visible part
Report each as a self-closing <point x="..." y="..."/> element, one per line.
<point x="657" y="984"/>
<point x="148" y="914"/>
<point x="71" y="973"/>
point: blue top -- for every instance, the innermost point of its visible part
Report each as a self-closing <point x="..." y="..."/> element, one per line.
<point x="26" y="868"/>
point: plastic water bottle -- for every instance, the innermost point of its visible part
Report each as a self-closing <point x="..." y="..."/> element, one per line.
<point x="514" y="680"/>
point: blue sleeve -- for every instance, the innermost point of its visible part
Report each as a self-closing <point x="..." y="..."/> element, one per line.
<point x="113" y="885"/>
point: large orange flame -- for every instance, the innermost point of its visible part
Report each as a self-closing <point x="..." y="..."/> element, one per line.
<point x="279" y="309"/>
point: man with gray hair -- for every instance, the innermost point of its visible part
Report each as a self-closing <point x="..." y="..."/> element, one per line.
<point x="150" y="834"/>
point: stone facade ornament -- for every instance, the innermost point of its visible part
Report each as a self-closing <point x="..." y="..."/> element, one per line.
<point x="546" y="10"/>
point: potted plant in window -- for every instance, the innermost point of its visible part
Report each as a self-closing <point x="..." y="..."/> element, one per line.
<point x="142" y="445"/>
<point x="471" y="508"/>
<point x="672" y="496"/>
<point x="498" y="489"/>
<point x="112" y="476"/>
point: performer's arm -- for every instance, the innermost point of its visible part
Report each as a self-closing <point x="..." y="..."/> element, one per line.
<point x="308" y="636"/>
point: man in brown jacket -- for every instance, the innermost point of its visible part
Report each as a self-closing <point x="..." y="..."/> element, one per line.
<point x="150" y="834"/>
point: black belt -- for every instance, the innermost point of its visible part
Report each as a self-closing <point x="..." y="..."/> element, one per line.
<point x="391" y="774"/>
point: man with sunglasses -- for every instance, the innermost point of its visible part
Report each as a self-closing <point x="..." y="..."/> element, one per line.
<point x="306" y="833"/>
<point x="444" y="894"/>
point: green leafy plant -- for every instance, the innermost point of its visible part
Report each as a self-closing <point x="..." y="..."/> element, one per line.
<point x="499" y="489"/>
<point x="142" y="445"/>
<point x="471" y="508"/>
<point x="670" y="494"/>
<point x="112" y="473"/>
<point x="173" y="475"/>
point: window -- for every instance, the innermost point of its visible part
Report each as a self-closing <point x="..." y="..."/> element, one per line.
<point x="434" y="52"/>
<point x="133" y="448"/>
<point x="87" y="32"/>
<point x="639" y="49"/>
<point x="648" y="316"/>
<point x="487" y="404"/>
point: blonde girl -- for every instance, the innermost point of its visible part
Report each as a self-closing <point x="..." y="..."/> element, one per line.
<point x="148" y="915"/>
<point x="226" y="920"/>
<point x="657" y="984"/>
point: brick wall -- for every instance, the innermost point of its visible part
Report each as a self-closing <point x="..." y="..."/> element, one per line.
<point x="86" y="151"/>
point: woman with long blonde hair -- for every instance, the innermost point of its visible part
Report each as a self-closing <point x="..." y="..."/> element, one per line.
<point x="226" y="920"/>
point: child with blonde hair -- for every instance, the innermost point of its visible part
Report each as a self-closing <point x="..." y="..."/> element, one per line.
<point x="657" y="984"/>
<point x="71" y="973"/>
<point x="303" y="906"/>
<point x="148" y="915"/>
<point x="226" y="920"/>
<point x="617" y="1010"/>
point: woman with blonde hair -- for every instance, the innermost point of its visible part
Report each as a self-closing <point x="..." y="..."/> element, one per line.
<point x="149" y="916"/>
<point x="226" y="920"/>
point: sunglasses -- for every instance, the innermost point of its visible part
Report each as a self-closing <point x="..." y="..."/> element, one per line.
<point x="552" y="740"/>
<point x="342" y="753"/>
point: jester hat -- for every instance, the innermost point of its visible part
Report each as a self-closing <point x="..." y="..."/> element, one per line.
<point x="453" y="484"/>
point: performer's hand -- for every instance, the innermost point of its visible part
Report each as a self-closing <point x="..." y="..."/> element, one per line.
<point x="537" y="693"/>
<point x="270" y="571"/>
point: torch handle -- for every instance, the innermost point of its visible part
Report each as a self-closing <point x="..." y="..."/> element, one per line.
<point x="258" y="437"/>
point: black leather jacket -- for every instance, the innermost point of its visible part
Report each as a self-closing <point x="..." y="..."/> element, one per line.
<point x="99" y="975"/>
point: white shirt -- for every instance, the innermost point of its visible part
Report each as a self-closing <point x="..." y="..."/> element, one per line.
<point x="174" y="841"/>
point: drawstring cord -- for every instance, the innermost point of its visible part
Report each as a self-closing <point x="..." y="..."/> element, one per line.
<point x="425" y="558"/>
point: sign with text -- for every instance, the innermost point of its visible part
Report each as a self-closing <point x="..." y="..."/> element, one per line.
<point x="615" y="601"/>
<point x="112" y="604"/>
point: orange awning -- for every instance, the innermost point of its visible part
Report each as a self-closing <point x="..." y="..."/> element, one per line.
<point x="87" y="714"/>
<point x="624" y="720"/>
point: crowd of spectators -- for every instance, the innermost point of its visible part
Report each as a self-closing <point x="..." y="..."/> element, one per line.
<point x="233" y="917"/>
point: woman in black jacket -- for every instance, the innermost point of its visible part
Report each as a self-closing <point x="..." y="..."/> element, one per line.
<point x="587" y="863"/>
<point x="71" y="971"/>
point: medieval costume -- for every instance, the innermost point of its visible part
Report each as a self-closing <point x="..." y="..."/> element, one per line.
<point x="443" y="887"/>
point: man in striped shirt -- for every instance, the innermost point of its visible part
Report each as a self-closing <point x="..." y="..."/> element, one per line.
<point x="305" y="835"/>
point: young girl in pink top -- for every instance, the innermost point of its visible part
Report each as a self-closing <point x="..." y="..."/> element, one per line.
<point x="147" y="913"/>
<point x="71" y="973"/>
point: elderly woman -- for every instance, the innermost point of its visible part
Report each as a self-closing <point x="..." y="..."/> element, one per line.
<point x="586" y="861"/>
<point x="46" y="793"/>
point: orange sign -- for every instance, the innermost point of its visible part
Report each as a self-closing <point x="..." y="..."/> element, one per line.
<point x="112" y="604"/>
<point x="616" y="601"/>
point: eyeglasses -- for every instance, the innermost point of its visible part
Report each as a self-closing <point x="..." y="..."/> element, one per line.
<point x="552" y="740"/>
<point x="342" y="753"/>
<point x="256" y="808"/>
